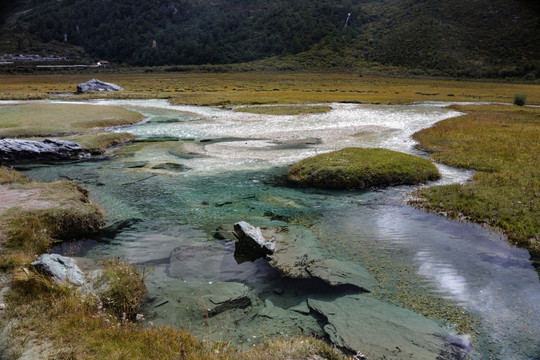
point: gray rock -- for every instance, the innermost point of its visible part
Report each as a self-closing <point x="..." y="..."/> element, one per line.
<point x="251" y="239"/>
<point x="97" y="85"/>
<point x="381" y="330"/>
<point x="14" y="151"/>
<point x="60" y="268"/>
<point x="298" y="257"/>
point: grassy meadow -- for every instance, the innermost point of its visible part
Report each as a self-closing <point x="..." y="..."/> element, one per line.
<point x="229" y="89"/>
<point x="75" y="122"/>
<point x="503" y="144"/>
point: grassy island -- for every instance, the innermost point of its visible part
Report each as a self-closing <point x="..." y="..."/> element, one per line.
<point x="357" y="168"/>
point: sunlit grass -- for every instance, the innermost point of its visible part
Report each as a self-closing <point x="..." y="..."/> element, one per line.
<point x="503" y="144"/>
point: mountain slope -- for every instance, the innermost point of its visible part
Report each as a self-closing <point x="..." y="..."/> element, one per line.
<point x="455" y="37"/>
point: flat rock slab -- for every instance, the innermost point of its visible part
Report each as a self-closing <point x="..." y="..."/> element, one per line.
<point x="297" y="257"/>
<point x="97" y="85"/>
<point x="14" y="151"/>
<point x="60" y="268"/>
<point x="381" y="330"/>
<point x="226" y="296"/>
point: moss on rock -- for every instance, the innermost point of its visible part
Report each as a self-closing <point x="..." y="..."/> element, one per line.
<point x="359" y="168"/>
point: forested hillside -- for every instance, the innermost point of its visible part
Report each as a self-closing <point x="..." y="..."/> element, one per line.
<point x="454" y="37"/>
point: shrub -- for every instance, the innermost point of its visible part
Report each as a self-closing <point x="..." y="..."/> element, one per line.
<point x="520" y="99"/>
<point x="125" y="289"/>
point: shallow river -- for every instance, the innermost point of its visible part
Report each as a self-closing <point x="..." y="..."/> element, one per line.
<point x="194" y="169"/>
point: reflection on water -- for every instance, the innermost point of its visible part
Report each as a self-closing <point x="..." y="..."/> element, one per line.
<point x="232" y="169"/>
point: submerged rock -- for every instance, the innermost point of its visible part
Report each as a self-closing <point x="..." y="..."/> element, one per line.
<point x="226" y="296"/>
<point x="381" y="330"/>
<point x="60" y="268"/>
<point x="14" y="151"/>
<point x="97" y="85"/>
<point x="298" y="257"/>
<point x="171" y="167"/>
<point x="251" y="240"/>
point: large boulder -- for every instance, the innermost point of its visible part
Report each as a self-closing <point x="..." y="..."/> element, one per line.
<point x="97" y="85"/>
<point x="384" y="331"/>
<point x="60" y="268"/>
<point x="358" y="168"/>
<point x="14" y="151"/>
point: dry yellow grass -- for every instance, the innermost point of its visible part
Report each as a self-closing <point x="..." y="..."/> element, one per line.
<point x="267" y="88"/>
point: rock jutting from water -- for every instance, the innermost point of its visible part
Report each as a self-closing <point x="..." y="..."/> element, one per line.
<point x="297" y="257"/>
<point x="97" y="85"/>
<point x="251" y="241"/>
<point x="60" y="268"/>
<point x="13" y="151"/>
<point x="360" y="168"/>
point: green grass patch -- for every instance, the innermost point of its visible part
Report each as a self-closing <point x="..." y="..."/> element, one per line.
<point x="502" y="143"/>
<point x="98" y="143"/>
<point x="284" y="109"/>
<point x="47" y="120"/>
<point x="357" y="168"/>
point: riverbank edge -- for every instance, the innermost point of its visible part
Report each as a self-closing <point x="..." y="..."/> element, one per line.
<point x="499" y="142"/>
<point x="23" y="289"/>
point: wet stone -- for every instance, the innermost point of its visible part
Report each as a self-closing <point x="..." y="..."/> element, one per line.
<point x="14" y="151"/>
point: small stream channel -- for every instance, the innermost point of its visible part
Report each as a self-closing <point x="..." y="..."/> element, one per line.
<point x="194" y="169"/>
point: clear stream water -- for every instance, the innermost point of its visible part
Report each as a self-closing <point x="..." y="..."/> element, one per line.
<point x="194" y="169"/>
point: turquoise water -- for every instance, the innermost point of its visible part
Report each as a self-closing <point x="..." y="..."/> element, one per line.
<point x="196" y="169"/>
